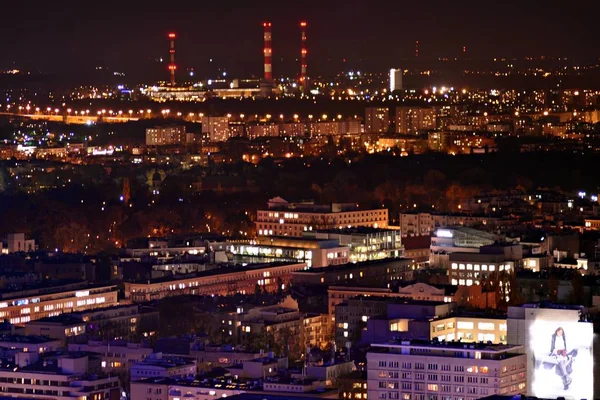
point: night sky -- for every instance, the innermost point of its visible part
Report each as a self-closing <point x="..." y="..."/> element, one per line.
<point x="372" y="34"/>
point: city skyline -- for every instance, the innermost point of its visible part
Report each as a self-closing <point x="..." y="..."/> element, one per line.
<point x="372" y="35"/>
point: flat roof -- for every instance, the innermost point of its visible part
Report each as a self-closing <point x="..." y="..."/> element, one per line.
<point x="453" y="345"/>
<point x="26" y="339"/>
<point x="349" y="266"/>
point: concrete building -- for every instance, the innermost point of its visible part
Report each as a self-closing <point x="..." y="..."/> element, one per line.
<point x="23" y="306"/>
<point x="283" y="218"/>
<point x="216" y="129"/>
<point x="468" y="269"/>
<point x="117" y="355"/>
<point x="29" y="343"/>
<point x="352" y="316"/>
<point x="56" y="376"/>
<point x="215" y="282"/>
<point x="16" y="243"/>
<point x="377" y="120"/>
<point x="165" y="136"/>
<point x="157" y="365"/>
<point x="412" y="120"/>
<point x="420" y="370"/>
<point x="419" y="224"/>
<point x="395" y="79"/>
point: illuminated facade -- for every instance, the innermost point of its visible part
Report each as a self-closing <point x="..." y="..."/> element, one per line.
<point x="293" y="219"/>
<point x="314" y="252"/>
<point x="21" y="307"/>
<point x="415" y="370"/>
<point x="470" y="329"/>
<point x="214" y="282"/>
<point x="56" y="377"/>
<point x="412" y="120"/>
<point x="395" y="79"/>
<point x="377" y="120"/>
<point x="216" y="128"/>
<point x="165" y="136"/>
<point x="366" y="243"/>
<point x="468" y="269"/>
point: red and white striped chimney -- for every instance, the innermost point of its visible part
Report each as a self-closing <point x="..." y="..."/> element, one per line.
<point x="303" y="76"/>
<point x="268" y="53"/>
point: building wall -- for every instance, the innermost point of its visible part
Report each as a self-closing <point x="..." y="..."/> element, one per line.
<point x="422" y="377"/>
<point x="282" y="223"/>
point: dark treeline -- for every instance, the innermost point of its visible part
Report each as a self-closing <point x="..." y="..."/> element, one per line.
<point x="88" y="215"/>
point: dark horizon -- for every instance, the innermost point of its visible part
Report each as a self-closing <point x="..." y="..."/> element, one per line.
<point x="374" y="35"/>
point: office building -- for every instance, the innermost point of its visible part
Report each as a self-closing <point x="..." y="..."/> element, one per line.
<point x="223" y="282"/>
<point x="422" y="370"/>
<point x="417" y="224"/>
<point x="377" y="120"/>
<point x="314" y="252"/>
<point x="29" y="343"/>
<point x="413" y="120"/>
<point x="22" y="306"/>
<point x="283" y="218"/>
<point x="165" y="136"/>
<point x="216" y="129"/>
<point x="52" y="376"/>
<point x="365" y="243"/>
<point x="395" y="79"/>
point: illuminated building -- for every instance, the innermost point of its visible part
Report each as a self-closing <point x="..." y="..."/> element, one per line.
<point x="421" y="370"/>
<point x="157" y="365"/>
<point x="412" y="120"/>
<point x="541" y="329"/>
<point x="457" y="239"/>
<point x="52" y="376"/>
<point x="292" y="219"/>
<point x="395" y="79"/>
<point x="377" y="120"/>
<point x="217" y="128"/>
<point x="293" y="129"/>
<point x="21" y="307"/>
<point x="165" y="136"/>
<point x="117" y="356"/>
<point x="313" y="252"/>
<point x="262" y="130"/>
<point x="366" y="243"/>
<point x="29" y="343"/>
<point x="214" y="282"/>
<point x="354" y="314"/>
<point x="468" y="269"/>
<point x="16" y="243"/>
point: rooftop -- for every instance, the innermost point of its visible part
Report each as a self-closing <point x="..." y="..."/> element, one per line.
<point x="25" y="339"/>
<point x="443" y="345"/>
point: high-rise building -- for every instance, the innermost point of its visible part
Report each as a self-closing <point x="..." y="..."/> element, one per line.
<point x="420" y="370"/>
<point x="412" y="120"/>
<point x="395" y="79"/>
<point x="165" y="136"/>
<point x="216" y="128"/>
<point x="377" y="119"/>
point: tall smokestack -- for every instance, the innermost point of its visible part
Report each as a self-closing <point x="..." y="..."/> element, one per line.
<point x="303" y="76"/>
<point x="268" y="53"/>
<point x="172" y="66"/>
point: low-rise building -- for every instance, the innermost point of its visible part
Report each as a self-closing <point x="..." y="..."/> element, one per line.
<point x="157" y="365"/>
<point x="56" y="376"/>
